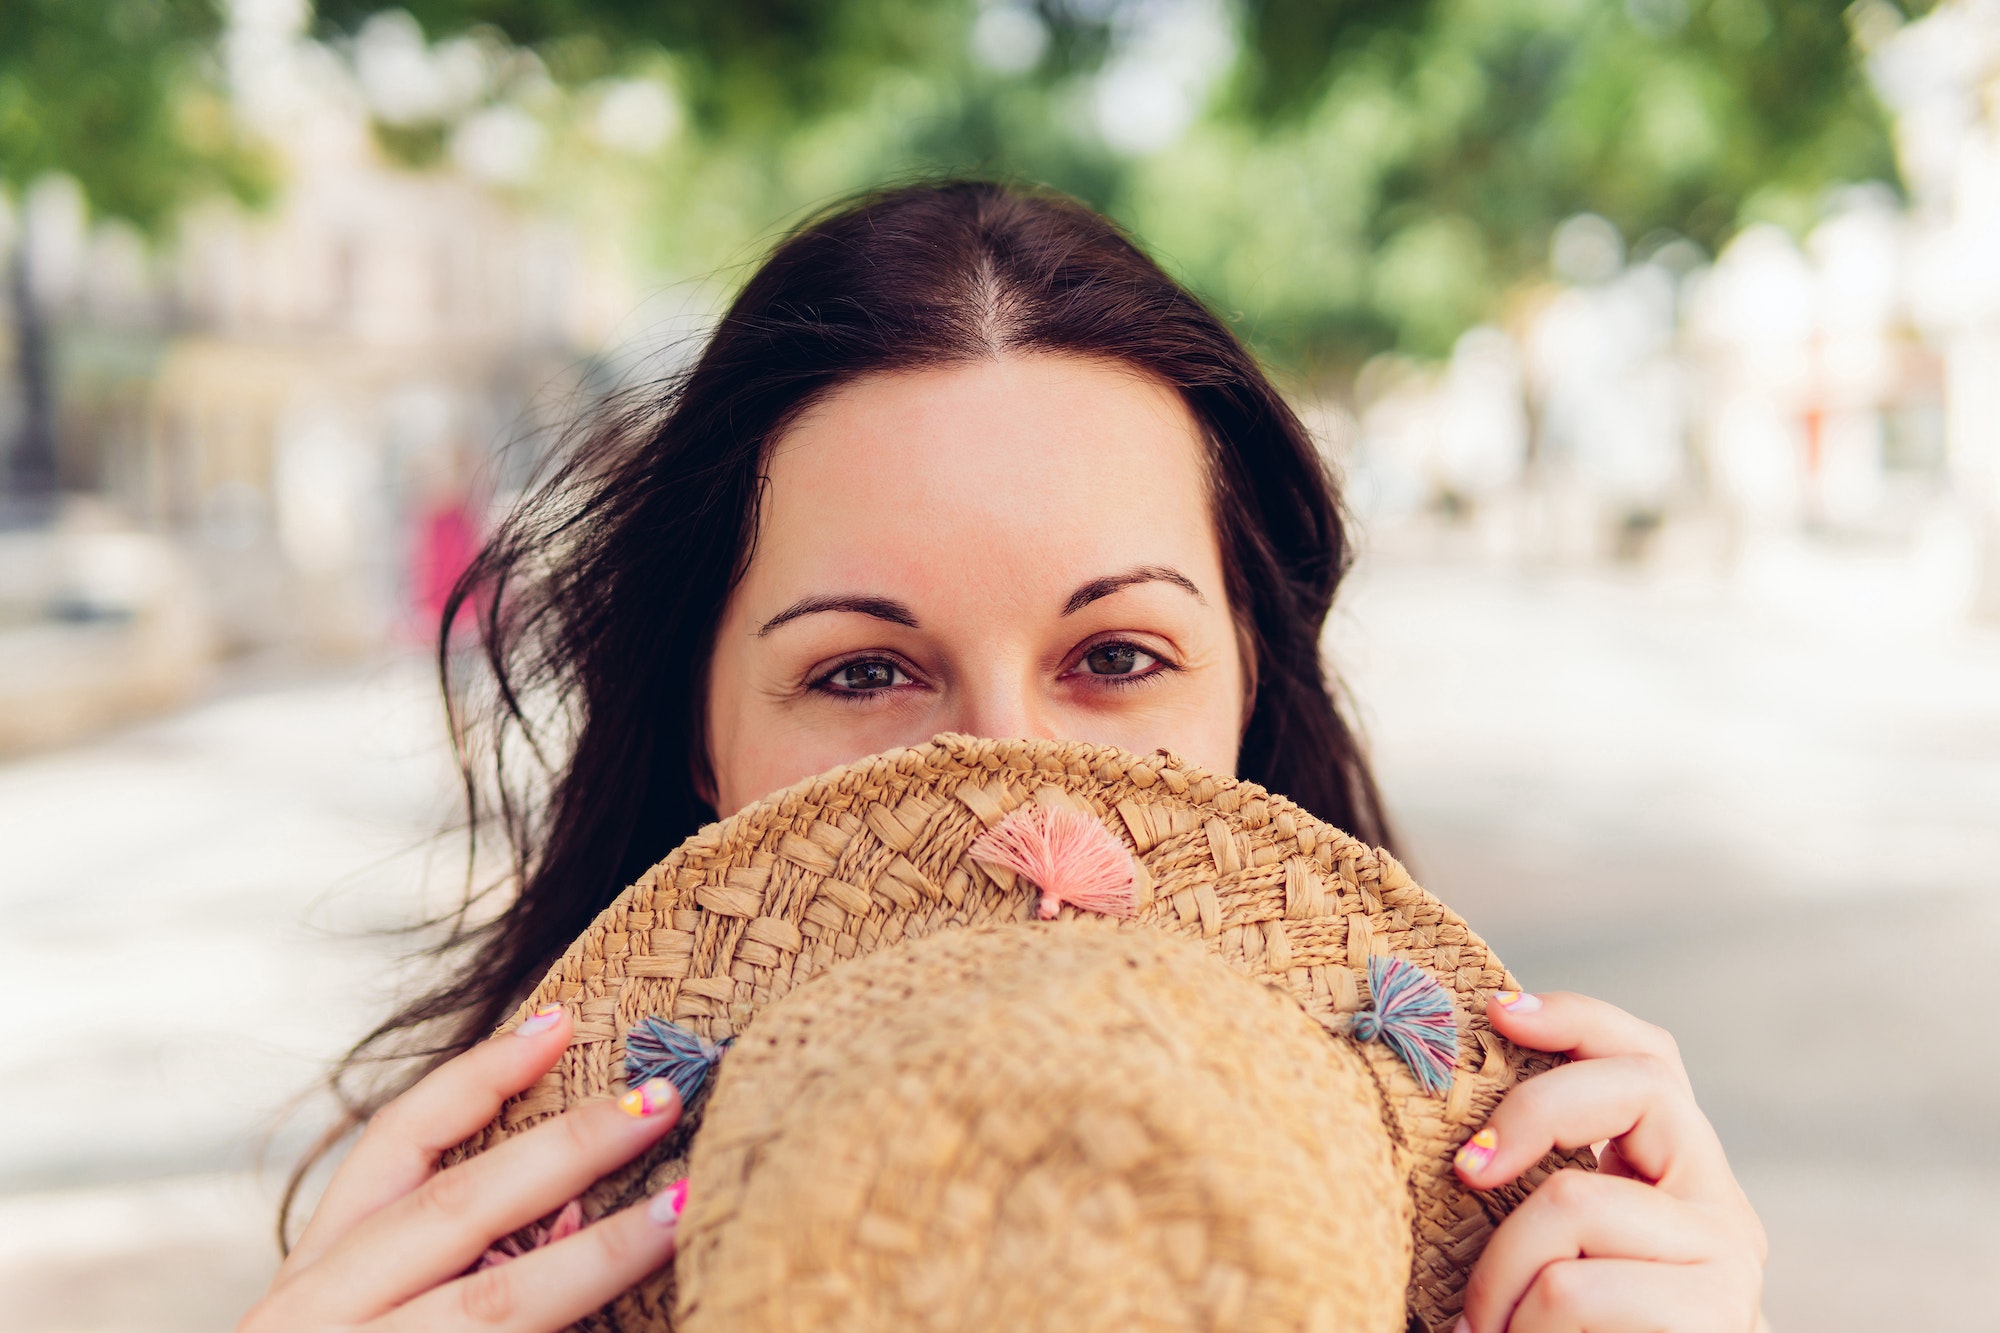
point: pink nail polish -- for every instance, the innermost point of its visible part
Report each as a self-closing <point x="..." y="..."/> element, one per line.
<point x="541" y="1020"/>
<point x="1517" y="1002"/>
<point x="667" y="1204"/>
<point x="1476" y="1152"/>
<point x="649" y="1098"/>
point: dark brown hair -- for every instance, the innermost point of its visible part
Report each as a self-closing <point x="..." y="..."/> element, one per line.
<point x="598" y="599"/>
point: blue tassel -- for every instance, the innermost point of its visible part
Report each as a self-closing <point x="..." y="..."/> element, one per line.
<point x="655" y="1048"/>
<point x="1412" y="1016"/>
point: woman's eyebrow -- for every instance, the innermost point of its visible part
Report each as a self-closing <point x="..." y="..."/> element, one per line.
<point x="882" y="608"/>
<point x="1111" y="583"/>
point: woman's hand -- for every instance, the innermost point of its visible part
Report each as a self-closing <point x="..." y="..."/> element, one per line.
<point x="1660" y="1240"/>
<point x="391" y="1242"/>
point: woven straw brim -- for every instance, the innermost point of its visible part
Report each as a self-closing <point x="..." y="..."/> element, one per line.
<point x="1048" y="1125"/>
<point x="875" y="852"/>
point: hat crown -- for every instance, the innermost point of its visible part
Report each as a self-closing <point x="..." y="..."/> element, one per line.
<point x="1043" y="1125"/>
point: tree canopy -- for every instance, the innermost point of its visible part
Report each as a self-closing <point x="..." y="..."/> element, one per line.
<point x="1355" y="173"/>
<point x="114" y="95"/>
<point x="1419" y="155"/>
<point x="1362" y="172"/>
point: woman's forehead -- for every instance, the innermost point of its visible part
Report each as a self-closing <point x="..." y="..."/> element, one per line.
<point x="1013" y="477"/>
<point x="990" y="448"/>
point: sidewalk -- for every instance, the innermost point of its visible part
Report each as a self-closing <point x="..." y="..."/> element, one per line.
<point x="193" y="911"/>
<point x="1777" y="836"/>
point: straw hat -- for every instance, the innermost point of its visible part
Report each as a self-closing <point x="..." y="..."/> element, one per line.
<point x="1029" y="1124"/>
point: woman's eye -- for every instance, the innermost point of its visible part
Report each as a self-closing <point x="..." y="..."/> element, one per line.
<point x="865" y="676"/>
<point x="1117" y="659"/>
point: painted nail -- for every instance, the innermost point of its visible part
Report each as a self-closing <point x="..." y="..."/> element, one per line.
<point x="541" y="1020"/>
<point x="1463" y="1325"/>
<point x="667" y="1204"/>
<point x="1476" y="1152"/>
<point x="1517" y="1002"/>
<point x="649" y="1098"/>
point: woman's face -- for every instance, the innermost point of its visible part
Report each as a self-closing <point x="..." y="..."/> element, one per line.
<point x="1020" y="546"/>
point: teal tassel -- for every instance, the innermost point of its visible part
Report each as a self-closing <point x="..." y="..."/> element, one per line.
<point x="1411" y="1014"/>
<point x="655" y="1048"/>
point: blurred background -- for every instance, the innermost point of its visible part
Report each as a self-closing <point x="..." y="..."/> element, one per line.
<point x="1657" y="341"/>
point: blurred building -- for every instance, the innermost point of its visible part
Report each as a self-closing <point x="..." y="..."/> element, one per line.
<point x="1815" y="418"/>
<point x="347" y="365"/>
<point x="1941" y="75"/>
<point x="286" y="427"/>
<point x="1821" y="402"/>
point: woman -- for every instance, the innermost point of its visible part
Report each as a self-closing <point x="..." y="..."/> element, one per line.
<point x="959" y="458"/>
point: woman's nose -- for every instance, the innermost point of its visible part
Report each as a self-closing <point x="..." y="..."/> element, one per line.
<point x="1002" y="708"/>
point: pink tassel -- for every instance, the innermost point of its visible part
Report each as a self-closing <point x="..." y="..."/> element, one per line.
<point x="1069" y="855"/>
<point x="565" y="1224"/>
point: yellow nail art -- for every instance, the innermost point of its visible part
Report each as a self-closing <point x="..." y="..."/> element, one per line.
<point x="540" y="1021"/>
<point x="649" y="1098"/>
<point x="1505" y="997"/>
<point x="1477" y="1151"/>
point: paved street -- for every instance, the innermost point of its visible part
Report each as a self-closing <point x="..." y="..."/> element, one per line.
<point x="1777" y="835"/>
<point x="193" y="912"/>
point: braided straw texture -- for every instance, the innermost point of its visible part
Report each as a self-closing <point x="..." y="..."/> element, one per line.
<point x="859" y="858"/>
<point x="1045" y="1125"/>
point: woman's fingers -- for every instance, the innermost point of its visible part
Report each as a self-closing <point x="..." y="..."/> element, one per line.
<point x="1638" y="1100"/>
<point x="556" y="1285"/>
<point x="1577" y="1215"/>
<point x="1583" y="1028"/>
<point x="1631" y="1296"/>
<point x="400" y="1148"/>
<point x="439" y="1229"/>
<point x="1666" y="1242"/>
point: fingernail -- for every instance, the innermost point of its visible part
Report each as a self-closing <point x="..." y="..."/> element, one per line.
<point x="667" y="1204"/>
<point x="1476" y="1152"/>
<point x="1517" y="1002"/>
<point x="649" y="1098"/>
<point x="541" y="1020"/>
<point x="1463" y="1325"/>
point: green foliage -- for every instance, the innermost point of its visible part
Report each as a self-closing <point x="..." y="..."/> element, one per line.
<point x="747" y="65"/>
<point x="1292" y="46"/>
<point x="114" y="95"/>
<point x="1443" y="141"/>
